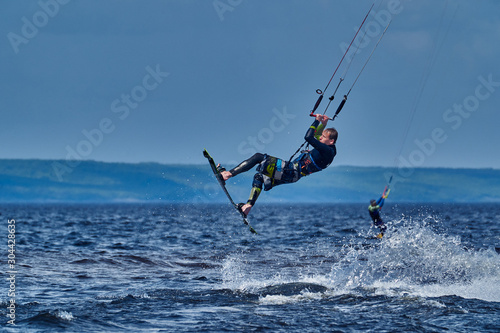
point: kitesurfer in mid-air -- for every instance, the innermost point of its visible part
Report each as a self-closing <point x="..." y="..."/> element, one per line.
<point x="272" y="171"/>
<point x="374" y="210"/>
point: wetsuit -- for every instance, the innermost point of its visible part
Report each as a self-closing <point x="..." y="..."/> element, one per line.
<point x="273" y="171"/>
<point x="317" y="159"/>
<point x="375" y="214"/>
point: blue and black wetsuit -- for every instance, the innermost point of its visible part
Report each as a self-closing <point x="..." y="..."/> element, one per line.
<point x="374" y="210"/>
<point x="317" y="159"/>
<point x="273" y="171"/>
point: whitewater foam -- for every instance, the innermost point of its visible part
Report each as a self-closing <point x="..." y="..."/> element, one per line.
<point x="412" y="259"/>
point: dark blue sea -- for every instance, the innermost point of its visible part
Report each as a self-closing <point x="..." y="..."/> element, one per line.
<point x="197" y="268"/>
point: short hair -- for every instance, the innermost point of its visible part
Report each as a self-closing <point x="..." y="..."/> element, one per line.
<point x="331" y="133"/>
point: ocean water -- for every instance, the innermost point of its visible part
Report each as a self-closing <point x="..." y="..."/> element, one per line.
<point x="197" y="268"/>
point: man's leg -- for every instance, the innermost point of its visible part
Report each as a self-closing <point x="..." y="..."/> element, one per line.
<point x="258" y="181"/>
<point x="379" y="223"/>
<point x="243" y="166"/>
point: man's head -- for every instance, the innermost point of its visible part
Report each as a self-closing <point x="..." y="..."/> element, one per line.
<point x="329" y="136"/>
<point x="373" y="202"/>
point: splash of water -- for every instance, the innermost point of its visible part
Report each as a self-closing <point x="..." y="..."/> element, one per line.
<point x="415" y="259"/>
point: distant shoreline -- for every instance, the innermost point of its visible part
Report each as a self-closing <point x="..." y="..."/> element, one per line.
<point x="36" y="181"/>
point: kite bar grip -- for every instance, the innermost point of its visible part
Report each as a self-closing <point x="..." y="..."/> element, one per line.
<point x="341" y="105"/>
<point x="320" y="98"/>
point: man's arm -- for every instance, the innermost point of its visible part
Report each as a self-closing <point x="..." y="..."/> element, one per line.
<point x="311" y="132"/>
<point x="316" y="129"/>
<point x="322" y="154"/>
<point x="319" y="131"/>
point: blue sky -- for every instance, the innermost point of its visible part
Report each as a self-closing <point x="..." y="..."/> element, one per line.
<point x="158" y="81"/>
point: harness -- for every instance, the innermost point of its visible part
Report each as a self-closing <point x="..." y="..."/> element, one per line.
<point x="275" y="169"/>
<point x="306" y="164"/>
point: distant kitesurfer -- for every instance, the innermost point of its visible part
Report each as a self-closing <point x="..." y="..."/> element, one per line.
<point x="374" y="210"/>
<point x="272" y="171"/>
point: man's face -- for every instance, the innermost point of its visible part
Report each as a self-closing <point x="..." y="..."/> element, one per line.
<point x="326" y="140"/>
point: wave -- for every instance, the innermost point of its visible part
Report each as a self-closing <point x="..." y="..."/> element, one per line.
<point x="416" y="259"/>
<point x="413" y="259"/>
<point x="56" y="318"/>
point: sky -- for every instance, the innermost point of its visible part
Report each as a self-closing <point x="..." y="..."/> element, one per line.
<point x="159" y="81"/>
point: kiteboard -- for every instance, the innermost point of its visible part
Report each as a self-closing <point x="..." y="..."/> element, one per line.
<point x="221" y="182"/>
